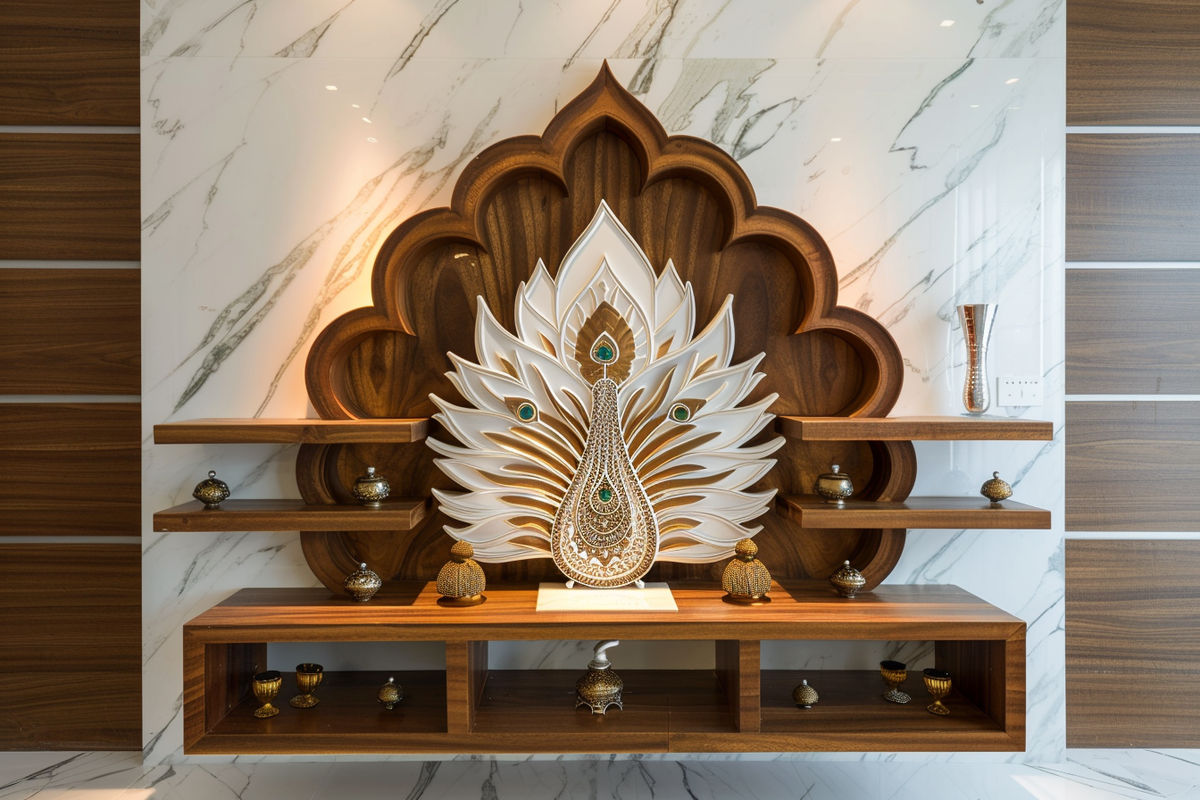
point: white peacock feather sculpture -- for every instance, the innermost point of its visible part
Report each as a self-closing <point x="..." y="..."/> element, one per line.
<point x="603" y="434"/>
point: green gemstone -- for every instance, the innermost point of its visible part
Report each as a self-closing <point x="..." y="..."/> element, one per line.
<point x="604" y="353"/>
<point x="525" y="411"/>
<point x="605" y="495"/>
<point x="681" y="413"/>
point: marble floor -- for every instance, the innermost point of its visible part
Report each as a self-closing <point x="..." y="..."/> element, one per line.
<point x="1140" y="774"/>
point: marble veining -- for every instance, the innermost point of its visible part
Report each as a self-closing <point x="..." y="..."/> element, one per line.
<point x="929" y="157"/>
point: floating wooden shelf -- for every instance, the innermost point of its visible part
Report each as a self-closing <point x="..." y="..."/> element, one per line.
<point x="898" y="429"/>
<point x="396" y="514"/>
<point x="291" y="431"/>
<point x="732" y="708"/>
<point x="915" y="512"/>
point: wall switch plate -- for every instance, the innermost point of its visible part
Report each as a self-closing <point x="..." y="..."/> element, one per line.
<point x="1019" y="390"/>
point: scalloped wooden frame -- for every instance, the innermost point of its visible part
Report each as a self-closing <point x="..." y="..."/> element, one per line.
<point x="382" y="360"/>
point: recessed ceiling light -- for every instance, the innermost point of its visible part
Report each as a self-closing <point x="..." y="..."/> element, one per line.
<point x="836" y="139"/>
<point x="331" y="88"/>
<point x="1014" y="108"/>
<point x="372" y="139"/>
<point x="354" y="105"/>
<point x="366" y="120"/>
<point x="1012" y="80"/>
<point x="975" y="106"/>
<point x="946" y="23"/>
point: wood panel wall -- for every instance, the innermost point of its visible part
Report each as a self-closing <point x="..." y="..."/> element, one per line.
<point x="1133" y="334"/>
<point x="1131" y="643"/>
<point x="70" y="613"/>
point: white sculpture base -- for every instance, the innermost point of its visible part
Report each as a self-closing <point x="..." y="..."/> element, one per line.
<point x="557" y="597"/>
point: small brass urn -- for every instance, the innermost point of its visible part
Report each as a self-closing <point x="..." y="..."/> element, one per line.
<point x="804" y="696"/>
<point x="211" y="491"/>
<point x="835" y="486"/>
<point x="600" y="687"/>
<point x="362" y="584"/>
<point x="460" y="581"/>
<point x="390" y="694"/>
<point x="847" y="580"/>
<point x="746" y="579"/>
<point x="996" y="490"/>
<point x="371" y="489"/>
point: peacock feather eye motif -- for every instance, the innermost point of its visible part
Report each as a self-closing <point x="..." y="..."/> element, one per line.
<point x="619" y="470"/>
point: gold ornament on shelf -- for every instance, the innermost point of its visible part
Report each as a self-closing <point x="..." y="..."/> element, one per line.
<point x="266" y="686"/>
<point x="592" y="432"/>
<point x="847" y="580"/>
<point x="894" y="673"/>
<point x="308" y="678"/>
<point x="996" y="490"/>
<point x="390" y="694"/>
<point x="937" y="681"/>
<point x="835" y="486"/>
<point x="460" y="581"/>
<point x="804" y="695"/>
<point x="746" y="580"/>
<point x="371" y="489"/>
<point x="600" y="687"/>
<point x="362" y="584"/>
<point x="211" y="491"/>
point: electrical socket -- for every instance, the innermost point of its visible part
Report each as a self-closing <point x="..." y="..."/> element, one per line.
<point x="1019" y="390"/>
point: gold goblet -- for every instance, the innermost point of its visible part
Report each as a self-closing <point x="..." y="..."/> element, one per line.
<point x="894" y="674"/>
<point x="308" y="678"/>
<point x="937" y="681"/>
<point x="266" y="686"/>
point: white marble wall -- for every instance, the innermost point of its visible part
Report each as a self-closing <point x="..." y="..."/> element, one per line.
<point x="929" y="156"/>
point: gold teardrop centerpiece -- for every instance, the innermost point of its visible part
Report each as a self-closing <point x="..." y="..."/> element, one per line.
<point x="605" y="533"/>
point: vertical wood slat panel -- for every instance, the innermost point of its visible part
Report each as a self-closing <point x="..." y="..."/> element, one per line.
<point x="1133" y="197"/>
<point x="1133" y="62"/>
<point x="69" y="62"/>
<point x="1156" y="347"/>
<point x="70" y="469"/>
<point x="70" y="331"/>
<point x="70" y="196"/>
<point x="70" y="643"/>
<point x="1133" y="631"/>
<point x="1133" y="466"/>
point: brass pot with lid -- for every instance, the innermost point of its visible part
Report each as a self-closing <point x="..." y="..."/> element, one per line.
<point x="847" y="580"/>
<point x="371" y="489"/>
<point x="601" y="687"/>
<point x="211" y="491"/>
<point x="996" y="490"/>
<point x="835" y="486"/>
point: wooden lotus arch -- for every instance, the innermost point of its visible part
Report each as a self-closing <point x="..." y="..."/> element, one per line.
<point x="529" y="197"/>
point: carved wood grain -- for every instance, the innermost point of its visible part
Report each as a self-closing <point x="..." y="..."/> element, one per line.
<point x="528" y="198"/>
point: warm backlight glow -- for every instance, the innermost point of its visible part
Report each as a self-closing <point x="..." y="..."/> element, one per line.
<point x="836" y="139"/>
<point x="354" y="105"/>
<point x="331" y="88"/>
<point x="372" y="139"/>
<point x="366" y="120"/>
<point x="946" y="23"/>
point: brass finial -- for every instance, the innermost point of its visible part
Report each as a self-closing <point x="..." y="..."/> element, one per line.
<point x="461" y="581"/>
<point x="746" y="580"/>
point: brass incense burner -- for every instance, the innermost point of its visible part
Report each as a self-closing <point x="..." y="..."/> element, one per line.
<point x="600" y="688"/>
<point x="996" y="490"/>
<point x="847" y="580"/>
<point x="746" y="579"/>
<point x="835" y="486"/>
<point x="211" y="491"/>
<point x="371" y="489"/>
<point x="362" y="584"/>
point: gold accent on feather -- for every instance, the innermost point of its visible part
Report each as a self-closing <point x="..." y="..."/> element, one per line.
<point x="604" y="320"/>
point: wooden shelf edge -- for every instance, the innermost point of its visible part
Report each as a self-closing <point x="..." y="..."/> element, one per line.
<point x="914" y="513"/>
<point x="396" y="514"/>
<point x="292" y="431"/>
<point x="895" y="429"/>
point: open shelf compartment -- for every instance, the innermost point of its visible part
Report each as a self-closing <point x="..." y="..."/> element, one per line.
<point x="733" y="708"/>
